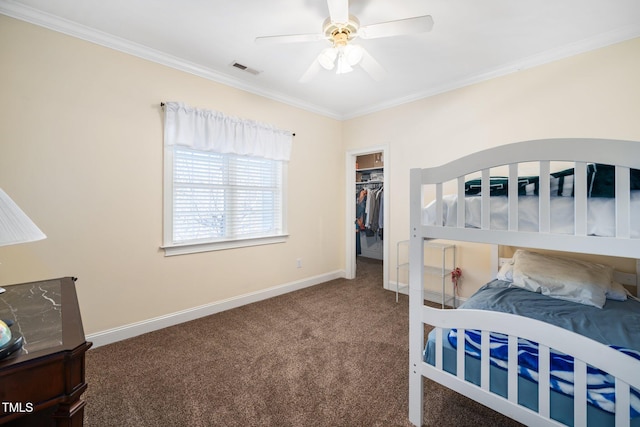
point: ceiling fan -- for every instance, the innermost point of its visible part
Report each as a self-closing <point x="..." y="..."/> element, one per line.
<point x="340" y="29"/>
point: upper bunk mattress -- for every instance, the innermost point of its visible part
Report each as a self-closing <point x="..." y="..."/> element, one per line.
<point x="601" y="216"/>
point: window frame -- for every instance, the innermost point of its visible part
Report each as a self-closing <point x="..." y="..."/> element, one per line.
<point x="171" y="248"/>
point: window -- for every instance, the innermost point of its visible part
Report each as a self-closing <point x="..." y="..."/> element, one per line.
<point x="219" y="201"/>
<point x="224" y="181"/>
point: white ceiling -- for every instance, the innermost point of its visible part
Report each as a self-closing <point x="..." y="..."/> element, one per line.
<point x="471" y="41"/>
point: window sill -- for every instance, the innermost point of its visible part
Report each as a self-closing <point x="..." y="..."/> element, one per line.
<point x="192" y="248"/>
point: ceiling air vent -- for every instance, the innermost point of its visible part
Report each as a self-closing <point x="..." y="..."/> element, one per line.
<point x="242" y="67"/>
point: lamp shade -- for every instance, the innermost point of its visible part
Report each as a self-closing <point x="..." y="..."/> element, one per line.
<point x="15" y="226"/>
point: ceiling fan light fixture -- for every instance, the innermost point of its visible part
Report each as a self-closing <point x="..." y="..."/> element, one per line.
<point x="353" y="54"/>
<point x="340" y="29"/>
<point x="327" y="58"/>
<point x="343" y="66"/>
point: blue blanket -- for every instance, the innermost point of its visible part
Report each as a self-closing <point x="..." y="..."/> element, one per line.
<point x="600" y="385"/>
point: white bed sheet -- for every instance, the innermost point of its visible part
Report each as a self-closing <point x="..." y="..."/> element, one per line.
<point x="600" y="215"/>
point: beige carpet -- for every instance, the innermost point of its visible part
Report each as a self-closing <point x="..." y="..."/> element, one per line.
<point x="331" y="355"/>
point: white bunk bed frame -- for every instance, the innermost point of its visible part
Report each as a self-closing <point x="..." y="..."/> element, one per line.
<point x="624" y="155"/>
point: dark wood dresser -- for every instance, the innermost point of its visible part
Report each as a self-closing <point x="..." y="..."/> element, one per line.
<point x="42" y="384"/>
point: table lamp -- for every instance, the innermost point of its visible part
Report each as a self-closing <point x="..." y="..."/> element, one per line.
<point x="15" y="226"/>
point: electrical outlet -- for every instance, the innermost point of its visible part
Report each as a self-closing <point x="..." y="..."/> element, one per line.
<point x="299" y="263"/>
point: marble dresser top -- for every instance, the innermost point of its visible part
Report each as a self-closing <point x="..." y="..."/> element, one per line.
<point x="35" y="309"/>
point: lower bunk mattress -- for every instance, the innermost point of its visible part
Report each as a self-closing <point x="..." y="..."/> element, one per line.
<point x="616" y="324"/>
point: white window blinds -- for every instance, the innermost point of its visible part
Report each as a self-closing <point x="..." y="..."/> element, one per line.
<point x="224" y="197"/>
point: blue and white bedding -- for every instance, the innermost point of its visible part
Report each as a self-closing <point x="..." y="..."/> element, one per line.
<point x="616" y="324"/>
<point x="600" y="385"/>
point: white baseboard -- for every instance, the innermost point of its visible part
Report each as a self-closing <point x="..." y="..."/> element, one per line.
<point x="134" y="329"/>
<point x="431" y="296"/>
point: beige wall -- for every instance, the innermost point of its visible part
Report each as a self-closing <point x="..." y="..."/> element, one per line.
<point x="81" y="153"/>
<point x="595" y="94"/>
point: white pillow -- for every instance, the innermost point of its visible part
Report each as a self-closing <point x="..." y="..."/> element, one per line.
<point x="616" y="292"/>
<point x="563" y="278"/>
<point x="506" y="272"/>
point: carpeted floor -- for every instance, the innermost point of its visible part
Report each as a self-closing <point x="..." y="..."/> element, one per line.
<point x="334" y="354"/>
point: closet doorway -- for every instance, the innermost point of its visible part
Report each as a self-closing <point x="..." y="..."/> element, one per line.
<point x="381" y="179"/>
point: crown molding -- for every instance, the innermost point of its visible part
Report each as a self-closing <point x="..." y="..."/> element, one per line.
<point x="61" y="25"/>
<point x="34" y="16"/>
<point x="561" y="52"/>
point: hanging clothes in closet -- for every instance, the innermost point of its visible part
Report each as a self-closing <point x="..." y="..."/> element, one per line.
<point x="369" y="212"/>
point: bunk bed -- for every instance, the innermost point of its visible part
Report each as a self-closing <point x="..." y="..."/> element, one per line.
<point x="491" y="366"/>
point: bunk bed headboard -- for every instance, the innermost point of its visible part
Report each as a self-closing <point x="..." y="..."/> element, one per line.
<point x="623" y="155"/>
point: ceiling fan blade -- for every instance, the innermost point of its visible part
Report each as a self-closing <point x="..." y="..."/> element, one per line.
<point x="311" y="72"/>
<point x="372" y="67"/>
<point x="292" y="38"/>
<point x="338" y="11"/>
<point x="418" y="24"/>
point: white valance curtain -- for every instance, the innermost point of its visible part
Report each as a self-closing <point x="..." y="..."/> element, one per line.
<point x="208" y="130"/>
